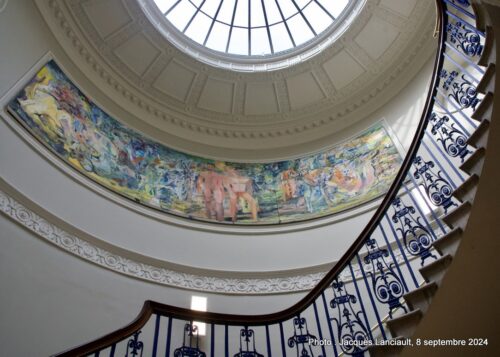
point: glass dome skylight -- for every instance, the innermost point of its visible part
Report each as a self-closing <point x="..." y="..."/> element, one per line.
<point x="252" y="27"/>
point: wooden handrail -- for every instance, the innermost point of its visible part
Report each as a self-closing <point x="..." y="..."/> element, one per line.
<point x="151" y="307"/>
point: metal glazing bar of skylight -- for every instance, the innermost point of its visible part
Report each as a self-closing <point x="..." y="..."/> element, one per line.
<point x="299" y="10"/>
<point x="194" y="15"/>
<point x="249" y="28"/>
<point x="268" y="30"/>
<point x="171" y="8"/>
<point x="325" y="9"/>
<point x="212" y="23"/>
<point x="231" y="26"/>
<point x="285" y="23"/>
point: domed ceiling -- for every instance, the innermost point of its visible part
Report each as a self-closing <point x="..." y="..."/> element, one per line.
<point x="256" y="113"/>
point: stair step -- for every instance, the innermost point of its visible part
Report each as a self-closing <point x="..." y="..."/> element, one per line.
<point x="488" y="54"/>
<point x="448" y="244"/>
<point x="479" y="137"/>
<point x="487" y="82"/>
<point x="459" y="216"/>
<point x="435" y="271"/>
<point x="388" y="350"/>
<point x="405" y="325"/>
<point x="420" y="299"/>
<point x="485" y="109"/>
<point x="467" y="190"/>
<point x="474" y="163"/>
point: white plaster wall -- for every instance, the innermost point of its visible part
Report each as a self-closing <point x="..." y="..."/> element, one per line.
<point x="58" y="300"/>
<point x="51" y="300"/>
<point x="89" y="212"/>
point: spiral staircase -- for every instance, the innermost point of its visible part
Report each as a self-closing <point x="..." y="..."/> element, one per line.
<point x="385" y="308"/>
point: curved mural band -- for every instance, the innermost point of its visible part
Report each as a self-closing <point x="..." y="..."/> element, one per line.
<point x="71" y="125"/>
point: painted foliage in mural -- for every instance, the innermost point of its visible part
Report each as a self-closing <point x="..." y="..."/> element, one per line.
<point x="59" y="115"/>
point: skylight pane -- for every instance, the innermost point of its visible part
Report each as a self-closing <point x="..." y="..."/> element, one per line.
<point x="220" y="15"/>
<point x="287" y="8"/>
<point x="320" y="20"/>
<point x="210" y="7"/>
<point x="273" y="15"/>
<point x="199" y="28"/>
<point x="334" y="7"/>
<point x="218" y="37"/>
<point x="280" y="38"/>
<point x="196" y="3"/>
<point x="241" y="14"/>
<point x="239" y="42"/>
<point x="299" y="29"/>
<point x="302" y="3"/>
<point x="181" y="14"/>
<point x="257" y="14"/>
<point x="165" y="5"/>
<point x="260" y="42"/>
<point x="226" y="11"/>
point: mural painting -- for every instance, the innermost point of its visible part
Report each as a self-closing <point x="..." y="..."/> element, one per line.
<point x="59" y="115"/>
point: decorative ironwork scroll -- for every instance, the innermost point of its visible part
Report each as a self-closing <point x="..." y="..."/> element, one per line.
<point x="386" y="284"/>
<point x="437" y="188"/>
<point x="352" y="333"/>
<point x="189" y="349"/>
<point x="416" y="237"/>
<point x="453" y="140"/>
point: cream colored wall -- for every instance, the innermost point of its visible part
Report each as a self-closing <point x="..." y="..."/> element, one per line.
<point x="59" y="300"/>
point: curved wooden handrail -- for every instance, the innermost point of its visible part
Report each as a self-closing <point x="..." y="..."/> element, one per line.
<point x="151" y="307"/>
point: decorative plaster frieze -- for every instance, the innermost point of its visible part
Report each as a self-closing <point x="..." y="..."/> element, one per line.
<point x="178" y="279"/>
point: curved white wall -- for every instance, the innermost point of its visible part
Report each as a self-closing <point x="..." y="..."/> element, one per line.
<point x="41" y="283"/>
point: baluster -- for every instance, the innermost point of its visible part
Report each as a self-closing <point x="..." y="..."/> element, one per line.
<point x="330" y="327"/>
<point x="385" y="283"/>
<point x="212" y="340"/>
<point x="461" y="68"/>
<point x="415" y="236"/>
<point x="112" y="351"/>
<point x="350" y="327"/>
<point x="459" y="88"/>
<point x="320" y="333"/>
<point x="453" y="141"/>
<point x="134" y="346"/>
<point x="155" y="339"/>
<point x="394" y="259"/>
<point x="226" y="340"/>
<point x="460" y="9"/>
<point x="428" y="205"/>
<point x="282" y="335"/>
<point x="301" y="337"/>
<point x="169" y="337"/>
<point x="247" y="344"/>
<point x="187" y="349"/>
<point x="465" y="116"/>
<point x="466" y="58"/>
<point x="401" y="249"/>
<point x="376" y="288"/>
<point x="436" y="187"/>
<point x="268" y="342"/>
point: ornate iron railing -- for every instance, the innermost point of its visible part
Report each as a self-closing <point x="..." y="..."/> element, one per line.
<point x="347" y="311"/>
